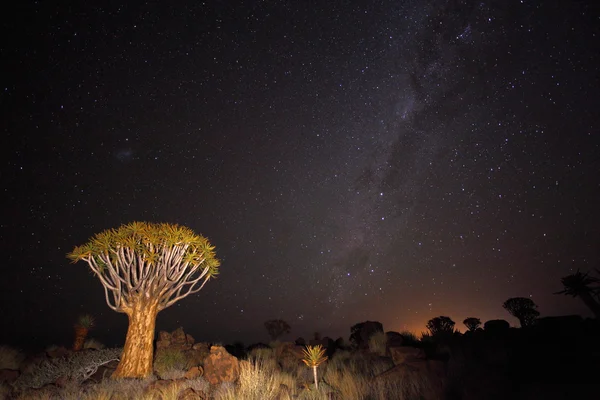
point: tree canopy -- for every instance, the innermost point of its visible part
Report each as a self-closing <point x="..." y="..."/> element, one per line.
<point x="160" y="260"/>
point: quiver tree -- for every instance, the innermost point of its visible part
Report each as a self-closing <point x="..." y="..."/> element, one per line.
<point x="440" y="326"/>
<point x="583" y="286"/>
<point x="145" y="268"/>
<point x="277" y="327"/>
<point x="472" y="323"/>
<point x="82" y="327"/>
<point x="522" y="308"/>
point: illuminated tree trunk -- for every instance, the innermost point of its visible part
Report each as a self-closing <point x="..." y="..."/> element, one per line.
<point x="136" y="360"/>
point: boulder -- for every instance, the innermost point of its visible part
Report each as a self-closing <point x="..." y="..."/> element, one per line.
<point x="402" y="354"/>
<point x="220" y="366"/>
<point x="194" y="372"/>
<point x="177" y="339"/>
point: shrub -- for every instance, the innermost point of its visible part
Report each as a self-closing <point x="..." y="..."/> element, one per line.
<point x="410" y="339"/>
<point x="77" y="367"/>
<point x="168" y="362"/>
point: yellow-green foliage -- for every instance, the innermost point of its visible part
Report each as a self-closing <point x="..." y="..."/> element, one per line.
<point x="314" y="356"/>
<point x="86" y="321"/>
<point x="378" y="343"/>
<point x="167" y="361"/>
<point x="148" y="241"/>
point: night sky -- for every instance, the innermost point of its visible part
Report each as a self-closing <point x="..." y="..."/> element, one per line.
<point x="350" y="160"/>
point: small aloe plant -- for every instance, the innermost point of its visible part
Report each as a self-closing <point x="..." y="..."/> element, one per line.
<point x="82" y="327"/>
<point x="313" y="357"/>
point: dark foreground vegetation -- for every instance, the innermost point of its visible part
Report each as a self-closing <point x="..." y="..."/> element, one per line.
<point x="555" y="358"/>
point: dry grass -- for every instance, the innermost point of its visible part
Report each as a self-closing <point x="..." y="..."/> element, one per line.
<point x="259" y="380"/>
<point x="378" y="343"/>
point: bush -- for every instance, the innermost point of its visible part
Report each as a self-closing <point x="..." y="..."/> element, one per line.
<point x="168" y="362"/>
<point x="410" y="339"/>
<point x="76" y="367"/>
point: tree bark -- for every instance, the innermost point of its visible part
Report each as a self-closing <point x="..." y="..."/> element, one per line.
<point x="136" y="360"/>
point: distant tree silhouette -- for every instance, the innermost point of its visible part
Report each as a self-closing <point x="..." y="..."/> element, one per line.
<point x="276" y="328"/>
<point x="440" y="326"/>
<point x="472" y="323"/>
<point x="361" y="333"/>
<point x="580" y="285"/>
<point x="522" y="308"/>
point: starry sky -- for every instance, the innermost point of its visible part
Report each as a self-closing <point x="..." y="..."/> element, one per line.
<point x="350" y="160"/>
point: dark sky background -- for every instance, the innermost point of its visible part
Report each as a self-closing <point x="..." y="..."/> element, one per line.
<point x="350" y="160"/>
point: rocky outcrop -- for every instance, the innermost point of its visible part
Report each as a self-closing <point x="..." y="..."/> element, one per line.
<point x="195" y="353"/>
<point x="177" y="339"/>
<point x="220" y="366"/>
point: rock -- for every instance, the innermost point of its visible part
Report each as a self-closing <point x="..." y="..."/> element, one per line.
<point x="401" y="355"/>
<point x="177" y="339"/>
<point x="201" y="346"/>
<point x="220" y="366"/>
<point x="9" y="375"/>
<point x="194" y="372"/>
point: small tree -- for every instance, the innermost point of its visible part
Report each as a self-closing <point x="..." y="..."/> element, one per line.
<point x="276" y="328"/>
<point x="145" y="268"/>
<point x="361" y="333"/>
<point x="472" y="323"/>
<point x="440" y="326"/>
<point x="522" y="308"/>
<point x="583" y="286"/>
<point x="313" y="357"/>
<point x="82" y="328"/>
